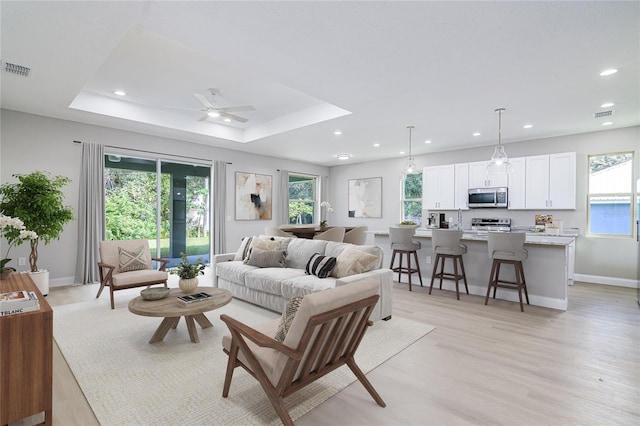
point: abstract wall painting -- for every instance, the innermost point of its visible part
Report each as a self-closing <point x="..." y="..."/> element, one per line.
<point x="253" y="196"/>
<point x="365" y="197"/>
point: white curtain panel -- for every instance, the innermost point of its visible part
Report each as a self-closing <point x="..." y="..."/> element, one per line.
<point x="91" y="222"/>
<point x="283" y="214"/>
<point x="219" y="206"/>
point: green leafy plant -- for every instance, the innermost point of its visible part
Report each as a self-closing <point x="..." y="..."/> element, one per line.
<point x="187" y="270"/>
<point x="38" y="201"/>
<point x="408" y="222"/>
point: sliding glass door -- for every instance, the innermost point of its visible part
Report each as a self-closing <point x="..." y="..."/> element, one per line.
<point x="167" y="203"/>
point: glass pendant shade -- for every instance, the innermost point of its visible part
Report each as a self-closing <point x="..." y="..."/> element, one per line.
<point x="499" y="163"/>
<point x="410" y="165"/>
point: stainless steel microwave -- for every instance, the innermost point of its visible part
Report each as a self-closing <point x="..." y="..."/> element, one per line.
<point x="488" y="197"/>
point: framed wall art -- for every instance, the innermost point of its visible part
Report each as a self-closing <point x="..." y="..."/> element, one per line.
<point x="253" y="196"/>
<point x="365" y="197"/>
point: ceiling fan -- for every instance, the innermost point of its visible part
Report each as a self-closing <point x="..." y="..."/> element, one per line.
<point x="212" y="110"/>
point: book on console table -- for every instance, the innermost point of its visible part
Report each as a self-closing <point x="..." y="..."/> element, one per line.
<point x="193" y="298"/>
<point x="17" y="302"/>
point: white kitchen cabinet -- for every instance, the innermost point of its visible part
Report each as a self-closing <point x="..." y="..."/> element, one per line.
<point x="551" y="181"/>
<point x="478" y="176"/>
<point x="517" y="183"/>
<point x="438" y="187"/>
<point x="461" y="200"/>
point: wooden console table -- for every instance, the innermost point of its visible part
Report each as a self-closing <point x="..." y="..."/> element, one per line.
<point x="26" y="357"/>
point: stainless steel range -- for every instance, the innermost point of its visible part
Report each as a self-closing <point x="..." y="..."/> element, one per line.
<point x="491" y="224"/>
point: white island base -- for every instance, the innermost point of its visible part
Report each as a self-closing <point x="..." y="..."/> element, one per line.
<point x="548" y="270"/>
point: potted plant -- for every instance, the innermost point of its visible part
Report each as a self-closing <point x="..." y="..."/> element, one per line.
<point x="188" y="273"/>
<point x="38" y="201"/>
<point x="13" y="230"/>
<point x="327" y="206"/>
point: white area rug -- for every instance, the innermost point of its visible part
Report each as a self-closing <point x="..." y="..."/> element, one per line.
<point x="128" y="381"/>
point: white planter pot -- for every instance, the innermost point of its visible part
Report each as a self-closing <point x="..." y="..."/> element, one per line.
<point x="188" y="285"/>
<point x="41" y="278"/>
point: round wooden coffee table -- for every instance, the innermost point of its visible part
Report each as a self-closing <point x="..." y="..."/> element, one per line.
<point x="171" y="311"/>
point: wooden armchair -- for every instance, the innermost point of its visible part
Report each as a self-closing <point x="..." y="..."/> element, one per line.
<point x="323" y="336"/>
<point x="127" y="264"/>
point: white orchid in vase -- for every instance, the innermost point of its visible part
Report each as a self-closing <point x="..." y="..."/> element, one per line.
<point x="13" y="230"/>
<point x="327" y="209"/>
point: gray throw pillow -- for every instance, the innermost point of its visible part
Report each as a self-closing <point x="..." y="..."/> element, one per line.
<point x="132" y="260"/>
<point x="266" y="258"/>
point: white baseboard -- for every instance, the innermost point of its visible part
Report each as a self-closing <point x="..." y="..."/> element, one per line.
<point x="62" y="281"/>
<point x="595" y="279"/>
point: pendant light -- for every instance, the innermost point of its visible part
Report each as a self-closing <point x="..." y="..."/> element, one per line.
<point x="499" y="164"/>
<point x="410" y="165"/>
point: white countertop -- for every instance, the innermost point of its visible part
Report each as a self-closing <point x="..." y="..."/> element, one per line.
<point x="540" y="238"/>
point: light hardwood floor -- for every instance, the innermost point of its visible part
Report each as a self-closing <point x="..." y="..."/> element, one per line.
<point x="484" y="365"/>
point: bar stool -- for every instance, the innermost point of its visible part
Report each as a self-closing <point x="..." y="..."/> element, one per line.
<point x="402" y="243"/>
<point x="507" y="248"/>
<point x="446" y="245"/>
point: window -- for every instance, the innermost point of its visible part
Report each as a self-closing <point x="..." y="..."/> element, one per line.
<point x="610" y="207"/>
<point x="302" y="199"/>
<point x="412" y="198"/>
<point x="164" y="202"/>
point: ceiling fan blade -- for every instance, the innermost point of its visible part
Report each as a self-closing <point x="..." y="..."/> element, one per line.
<point x="183" y="108"/>
<point x="204" y="117"/>
<point x="203" y="100"/>
<point x="237" y="108"/>
<point x="233" y="117"/>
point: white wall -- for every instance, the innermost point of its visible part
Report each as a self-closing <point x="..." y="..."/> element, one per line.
<point x="30" y="142"/>
<point x="596" y="256"/>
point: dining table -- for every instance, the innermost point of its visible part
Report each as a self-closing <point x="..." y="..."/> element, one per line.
<point x="309" y="231"/>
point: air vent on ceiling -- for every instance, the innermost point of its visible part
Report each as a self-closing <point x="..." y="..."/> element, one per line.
<point x="603" y="114"/>
<point x="16" y="69"/>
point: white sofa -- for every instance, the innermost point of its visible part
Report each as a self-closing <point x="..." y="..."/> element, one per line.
<point x="272" y="287"/>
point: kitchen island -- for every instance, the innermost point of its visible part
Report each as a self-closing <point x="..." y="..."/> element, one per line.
<point x="548" y="269"/>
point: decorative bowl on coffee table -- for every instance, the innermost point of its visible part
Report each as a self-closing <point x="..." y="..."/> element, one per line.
<point x="154" y="293"/>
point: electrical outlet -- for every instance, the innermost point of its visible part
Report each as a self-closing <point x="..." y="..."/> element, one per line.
<point x="428" y="259"/>
<point x="22" y="261"/>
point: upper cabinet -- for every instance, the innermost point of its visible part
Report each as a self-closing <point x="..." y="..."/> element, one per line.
<point x="478" y="176"/>
<point x="517" y="186"/>
<point x="438" y="187"/>
<point x="551" y="181"/>
<point x="461" y="192"/>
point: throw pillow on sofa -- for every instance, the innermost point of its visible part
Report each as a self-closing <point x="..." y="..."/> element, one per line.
<point x="265" y="244"/>
<point x="243" y="251"/>
<point x="266" y="258"/>
<point x="320" y="266"/>
<point x="288" y="315"/>
<point x="353" y="261"/>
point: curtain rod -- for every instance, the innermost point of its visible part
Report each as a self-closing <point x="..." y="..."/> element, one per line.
<point x="151" y="152"/>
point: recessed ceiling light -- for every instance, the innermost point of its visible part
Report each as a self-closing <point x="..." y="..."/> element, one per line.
<point x="607" y="123"/>
<point x="607" y="105"/>
<point x="337" y="132"/>
<point x="227" y="120"/>
<point x="343" y="156"/>
<point x="119" y="92"/>
<point x="376" y="145"/>
<point x="477" y="134"/>
<point x="427" y="141"/>
<point x="213" y="114"/>
<point x="527" y="126"/>
<point x="608" y="72"/>
<point x="401" y="152"/>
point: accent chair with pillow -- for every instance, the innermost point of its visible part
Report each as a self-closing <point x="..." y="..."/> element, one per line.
<point x="323" y="333"/>
<point x="127" y="264"/>
<point x="298" y="267"/>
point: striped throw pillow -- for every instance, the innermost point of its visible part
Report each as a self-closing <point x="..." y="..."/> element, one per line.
<point x="320" y="266"/>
